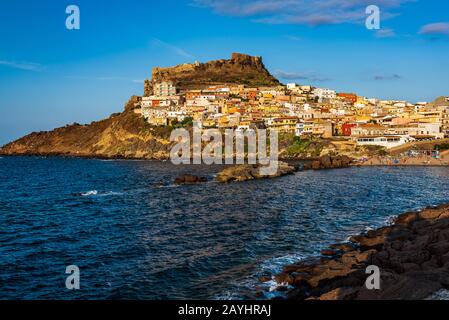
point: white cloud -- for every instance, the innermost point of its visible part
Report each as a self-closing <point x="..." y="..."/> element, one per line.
<point x="28" y="66"/>
<point x="440" y="28"/>
<point x="287" y="75"/>
<point x="309" y="12"/>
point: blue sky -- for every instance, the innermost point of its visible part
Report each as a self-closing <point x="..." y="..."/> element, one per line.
<point x="51" y="76"/>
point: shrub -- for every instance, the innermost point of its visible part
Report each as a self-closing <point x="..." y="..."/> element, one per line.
<point x="441" y="147"/>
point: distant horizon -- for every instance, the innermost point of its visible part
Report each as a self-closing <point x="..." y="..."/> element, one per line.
<point x="51" y="76"/>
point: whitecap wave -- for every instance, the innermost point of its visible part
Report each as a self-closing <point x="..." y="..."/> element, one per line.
<point x="275" y="265"/>
<point x="89" y="193"/>
<point x="100" y="194"/>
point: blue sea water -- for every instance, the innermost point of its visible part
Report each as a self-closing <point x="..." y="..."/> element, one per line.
<point x="134" y="235"/>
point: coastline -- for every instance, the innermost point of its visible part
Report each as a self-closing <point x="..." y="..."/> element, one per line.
<point x="412" y="255"/>
<point x="437" y="163"/>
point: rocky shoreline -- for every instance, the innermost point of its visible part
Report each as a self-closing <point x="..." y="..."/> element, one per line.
<point x="412" y="255"/>
<point x="329" y="162"/>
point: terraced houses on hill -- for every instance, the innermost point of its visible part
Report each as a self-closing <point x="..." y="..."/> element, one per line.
<point x="301" y="110"/>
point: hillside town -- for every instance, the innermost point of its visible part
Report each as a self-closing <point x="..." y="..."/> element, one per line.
<point x="302" y="110"/>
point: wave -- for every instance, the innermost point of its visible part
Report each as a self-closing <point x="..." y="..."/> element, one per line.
<point x="168" y="186"/>
<point x="99" y="194"/>
<point x="89" y="193"/>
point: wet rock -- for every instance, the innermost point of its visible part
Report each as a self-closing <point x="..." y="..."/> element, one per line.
<point x="343" y="247"/>
<point x="412" y="254"/>
<point x="284" y="278"/>
<point x="189" y="179"/>
<point x="406" y="218"/>
<point x="331" y="253"/>
<point x="264" y="279"/>
<point x="367" y="243"/>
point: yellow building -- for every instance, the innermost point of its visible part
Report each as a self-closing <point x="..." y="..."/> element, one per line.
<point x="284" y="124"/>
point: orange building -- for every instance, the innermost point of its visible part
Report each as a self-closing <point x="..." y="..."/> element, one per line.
<point x="348" y="96"/>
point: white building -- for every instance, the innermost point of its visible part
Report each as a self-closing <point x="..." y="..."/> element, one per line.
<point x="322" y="93"/>
<point x="292" y="86"/>
<point x="299" y="129"/>
<point x="383" y="141"/>
<point x="163" y="89"/>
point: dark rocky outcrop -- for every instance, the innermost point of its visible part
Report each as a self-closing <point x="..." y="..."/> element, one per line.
<point x="412" y="254"/>
<point x="247" y="172"/>
<point x="240" y="69"/>
<point x="189" y="179"/>
<point x="328" y="162"/>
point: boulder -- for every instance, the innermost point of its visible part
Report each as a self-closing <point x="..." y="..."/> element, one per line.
<point x="247" y="172"/>
<point x="328" y="162"/>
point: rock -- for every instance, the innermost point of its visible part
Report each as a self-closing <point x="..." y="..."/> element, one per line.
<point x="345" y="293"/>
<point x="349" y="258"/>
<point x="401" y="288"/>
<point x="430" y="214"/>
<point x="328" y="162"/>
<point x="406" y="218"/>
<point x="316" y="165"/>
<point x="408" y="267"/>
<point x="331" y="253"/>
<point x="284" y="278"/>
<point x="240" y="69"/>
<point x="412" y="254"/>
<point x="381" y="258"/>
<point x="264" y="279"/>
<point x="299" y="293"/>
<point x="439" y="248"/>
<point x="444" y="259"/>
<point x="189" y="179"/>
<point x="365" y="257"/>
<point x="432" y="264"/>
<point x="247" y="172"/>
<point x="443" y="235"/>
<point x="367" y="243"/>
<point x="400" y="234"/>
<point x="343" y="247"/>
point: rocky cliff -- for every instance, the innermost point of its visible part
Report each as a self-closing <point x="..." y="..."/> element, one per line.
<point x="240" y="69"/>
<point x="123" y="135"/>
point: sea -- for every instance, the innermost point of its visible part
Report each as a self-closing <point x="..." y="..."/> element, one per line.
<point x="133" y="234"/>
